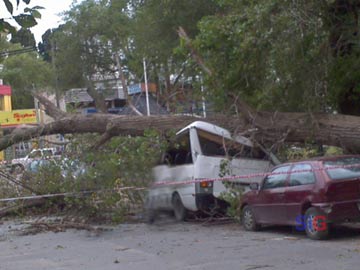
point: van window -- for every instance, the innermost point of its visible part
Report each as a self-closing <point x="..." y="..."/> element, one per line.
<point x="214" y="145"/>
<point x="180" y="152"/>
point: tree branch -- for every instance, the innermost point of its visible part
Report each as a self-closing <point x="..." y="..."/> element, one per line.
<point x="50" y="108"/>
<point x="195" y="55"/>
<point x="98" y="123"/>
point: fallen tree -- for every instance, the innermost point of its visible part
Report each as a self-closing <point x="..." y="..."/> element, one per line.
<point x="270" y="128"/>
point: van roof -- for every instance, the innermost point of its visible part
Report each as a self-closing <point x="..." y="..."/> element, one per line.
<point x="214" y="129"/>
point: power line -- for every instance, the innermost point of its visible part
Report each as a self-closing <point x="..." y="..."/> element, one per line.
<point x="18" y="51"/>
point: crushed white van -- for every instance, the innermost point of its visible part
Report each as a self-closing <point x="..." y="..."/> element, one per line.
<point x="201" y="151"/>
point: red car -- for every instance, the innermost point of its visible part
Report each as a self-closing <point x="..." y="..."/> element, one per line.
<point x="311" y="195"/>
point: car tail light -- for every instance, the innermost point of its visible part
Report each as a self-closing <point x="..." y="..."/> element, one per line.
<point x="206" y="184"/>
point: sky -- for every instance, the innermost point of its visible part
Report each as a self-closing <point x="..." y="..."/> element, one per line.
<point x="50" y="15"/>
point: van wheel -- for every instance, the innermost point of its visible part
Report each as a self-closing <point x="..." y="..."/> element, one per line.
<point x="248" y="219"/>
<point x="150" y="216"/>
<point x="316" y="226"/>
<point x="179" y="209"/>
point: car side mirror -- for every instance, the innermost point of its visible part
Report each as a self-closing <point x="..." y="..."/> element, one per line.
<point x="254" y="186"/>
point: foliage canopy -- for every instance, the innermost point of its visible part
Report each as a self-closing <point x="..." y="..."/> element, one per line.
<point x="278" y="54"/>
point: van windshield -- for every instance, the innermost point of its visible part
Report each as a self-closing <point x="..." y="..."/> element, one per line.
<point x="180" y="152"/>
<point x="214" y="145"/>
<point x="343" y="168"/>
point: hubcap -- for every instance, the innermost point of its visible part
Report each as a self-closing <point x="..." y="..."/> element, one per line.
<point x="248" y="219"/>
<point x="310" y="224"/>
<point x="314" y="224"/>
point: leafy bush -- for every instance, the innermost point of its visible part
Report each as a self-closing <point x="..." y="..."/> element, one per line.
<point x="233" y="197"/>
<point x="100" y="177"/>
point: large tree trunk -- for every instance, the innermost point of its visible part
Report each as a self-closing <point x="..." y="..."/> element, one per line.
<point x="326" y="129"/>
<point x="264" y="127"/>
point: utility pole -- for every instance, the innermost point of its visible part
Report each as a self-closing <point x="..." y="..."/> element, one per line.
<point x="122" y="78"/>
<point x="203" y="97"/>
<point x="57" y="94"/>
<point x="146" y="89"/>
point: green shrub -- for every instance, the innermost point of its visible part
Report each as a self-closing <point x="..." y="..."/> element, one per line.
<point x="122" y="162"/>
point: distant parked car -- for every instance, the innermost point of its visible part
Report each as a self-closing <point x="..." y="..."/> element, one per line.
<point x="68" y="167"/>
<point x="311" y="195"/>
<point x="35" y="165"/>
<point x="19" y="164"/>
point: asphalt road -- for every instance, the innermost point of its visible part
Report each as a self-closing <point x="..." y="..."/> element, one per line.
<point x="168" y="245"/>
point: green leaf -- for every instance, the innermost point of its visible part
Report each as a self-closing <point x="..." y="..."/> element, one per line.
<point x="7" y="26"/>
<point x="26" y="1"/>
<point x="2" y="25"/>
<point x="36" y="14"/>
<point x="33" y="8"/>
<point x="26" y="21"/>
<point x="38" y="7"/>
<point x="9" y="6"/>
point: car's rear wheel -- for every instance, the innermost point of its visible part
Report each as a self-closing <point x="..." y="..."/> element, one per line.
<point x="316" y="226"/>
<point x="179" y="209"/>
<point x="248" y="219"/>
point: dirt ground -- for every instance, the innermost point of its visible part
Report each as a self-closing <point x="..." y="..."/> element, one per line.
<point x="170" y="245"/>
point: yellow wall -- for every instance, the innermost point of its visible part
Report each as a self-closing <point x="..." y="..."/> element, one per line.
<point x="5" y="103"/>
<point x="5" y="106"/>
<point x="2" y="155"/>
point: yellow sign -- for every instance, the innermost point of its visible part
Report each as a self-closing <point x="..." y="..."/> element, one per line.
<point x="17" y="117"/>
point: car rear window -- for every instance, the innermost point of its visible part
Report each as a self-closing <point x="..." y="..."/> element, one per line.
<point x="343" y="168"/>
